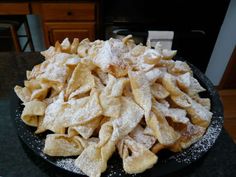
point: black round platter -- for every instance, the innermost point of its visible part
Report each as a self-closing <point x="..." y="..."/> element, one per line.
<point x="167" y="162"/>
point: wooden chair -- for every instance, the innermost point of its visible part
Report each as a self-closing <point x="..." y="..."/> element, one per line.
<point x="9" y="25"/>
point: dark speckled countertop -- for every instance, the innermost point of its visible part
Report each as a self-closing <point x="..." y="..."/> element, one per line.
<point x="16" y="160"/>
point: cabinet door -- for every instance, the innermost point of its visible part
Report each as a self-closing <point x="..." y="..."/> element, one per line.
<point x="79" y="11"/>
<point x="59" y="31"/>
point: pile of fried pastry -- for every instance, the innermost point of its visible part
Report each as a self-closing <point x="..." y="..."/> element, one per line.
<point x="94" y="98"/>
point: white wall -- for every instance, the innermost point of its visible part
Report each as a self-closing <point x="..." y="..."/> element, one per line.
<point x="224" y="46"/>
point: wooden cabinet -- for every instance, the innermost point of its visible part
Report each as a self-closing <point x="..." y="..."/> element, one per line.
<point x="19" y="8"/>
<point x="61" y="20"/>
<point x="58" y="31"/>
<point x="68" y="11"/>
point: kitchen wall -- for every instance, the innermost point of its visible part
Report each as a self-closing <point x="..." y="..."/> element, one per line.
<point x="220" y="56"/>
<point x="224" y="46"/>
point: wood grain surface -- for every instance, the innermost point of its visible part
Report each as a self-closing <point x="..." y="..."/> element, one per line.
<point x="20" y="8"/>
<point x="228" y="98"/>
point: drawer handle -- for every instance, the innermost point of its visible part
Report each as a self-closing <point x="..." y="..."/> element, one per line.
<point x="69" y="13"/>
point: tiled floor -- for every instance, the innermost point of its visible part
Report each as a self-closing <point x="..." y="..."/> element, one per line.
<point x="228" y="98"/>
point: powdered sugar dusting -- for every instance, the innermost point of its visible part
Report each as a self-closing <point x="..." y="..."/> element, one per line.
<point x="138" y="135"/>
<point x="114" y="170"/>
<point x="203" y="145"/>
<point x="69" y="164"/>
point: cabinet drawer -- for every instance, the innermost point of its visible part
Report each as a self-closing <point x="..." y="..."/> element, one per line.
<point x="68" y="11"/>
<point x="14" y="8"/>
<point x="58" y="31"/>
